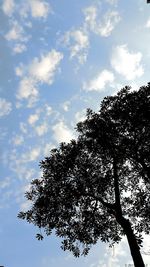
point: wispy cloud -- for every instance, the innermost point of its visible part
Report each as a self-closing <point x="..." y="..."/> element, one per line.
<point x="78" y="43"/>
<point x="41" y="129"/>
<point x="78" y="40"/>
<point x="39" y="122"/>
<point x="5" y="183"/>
<point x="36" y="8"/>
<point x="19" y="13"/>
<point x="30" y="155"/>
<point x="19" y="48"/>
<point x="48" y="110"/>
<point x="33" y="154"/>
<point x="33" y="118"/>
<point x="22" y="164"/>
<point x="5" y="107"/>
<point x="16" y="33"/>
<point x="17" y="37"/>
<point x="8" y="7"/>
<point x="103" y="26"/>
<point x="90" y="13"/>
<point x="66" y="105"/>
<point x="23" y="127"/>
<point x="28" y="91"/>
<point x="109" y="21"/>
<point x="18" y="140"/>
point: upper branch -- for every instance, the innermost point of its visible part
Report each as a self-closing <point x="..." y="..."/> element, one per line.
<point x="109" y="206"/>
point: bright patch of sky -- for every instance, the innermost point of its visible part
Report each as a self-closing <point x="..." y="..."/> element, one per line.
<point x="59" y="58"/>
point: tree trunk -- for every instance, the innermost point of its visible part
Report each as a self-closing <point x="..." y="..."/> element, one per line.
<point x="134" y="247"/>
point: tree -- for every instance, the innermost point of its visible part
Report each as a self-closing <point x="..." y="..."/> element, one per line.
<point x="97" y="187"/>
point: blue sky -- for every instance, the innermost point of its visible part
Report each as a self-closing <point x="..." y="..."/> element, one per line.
<point x="57" y="58"/>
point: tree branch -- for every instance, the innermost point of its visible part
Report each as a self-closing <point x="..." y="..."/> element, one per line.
<point x="109" y="206"/>
<point x="116" y="188"/>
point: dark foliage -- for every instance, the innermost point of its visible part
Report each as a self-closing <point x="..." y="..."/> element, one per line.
<point x="97" y="187"/>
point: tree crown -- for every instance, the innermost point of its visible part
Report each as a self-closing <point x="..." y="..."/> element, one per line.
<point x="89" y="183"/>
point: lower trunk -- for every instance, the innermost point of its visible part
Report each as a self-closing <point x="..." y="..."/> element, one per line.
<point x="134" y="248"/>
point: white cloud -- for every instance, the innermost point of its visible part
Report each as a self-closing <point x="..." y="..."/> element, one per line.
<point x="66" y="105"/>
<point x="62" y="133"/>
<point x="26" y="205"/>
<point x="120" y="255"/>
<point x="33" y="154"/>
<point x="99" y="83"/>
<point x="80" y="115"/>
<point x="41" y="129"/>
<point x="23" y="127"/>
<point x="16" y="33"/>
<point x="90" y="17"/>
<point x="33" y="118"/>
<point x="148" y="23"/>
<point x="19" y="48"/>
<point x="47" y="149"/>
<point x="5" y="107"/>
<point x="30" y="155"/>
<point x="28" y="91"/>
<point x="40" y="70"/>
<point x="121" y="249"/>
<point x="116" y="256"/>
<point x="23" y="163"/>
<point x="78" y="43"/>
<point x="8" y="7"/>
<point x="39" y="9"/>
<point x="43" y="69"/>
<point x="19" y="70"/>
<point x="17" y="36"/>
<point x="127" y="63"/>
<point x="110" y="20"/>
<point x="105" y="25"/>
<point x="18" y="140"/>
<point x="5" y="183"/>
<point x="48" y="110"/>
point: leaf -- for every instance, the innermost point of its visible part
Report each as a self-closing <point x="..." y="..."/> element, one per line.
<point x="39" y="237"/>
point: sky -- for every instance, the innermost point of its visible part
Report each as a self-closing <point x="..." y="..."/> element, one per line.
<point x="58" y="58"/>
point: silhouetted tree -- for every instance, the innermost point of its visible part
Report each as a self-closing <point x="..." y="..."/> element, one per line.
<point x="97" y="187"/>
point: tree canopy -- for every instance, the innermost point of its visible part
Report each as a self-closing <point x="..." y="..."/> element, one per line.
<point x="97" y="187"/>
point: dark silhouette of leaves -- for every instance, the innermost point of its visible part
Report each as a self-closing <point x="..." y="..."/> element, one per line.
<point x="97" y="187"/>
